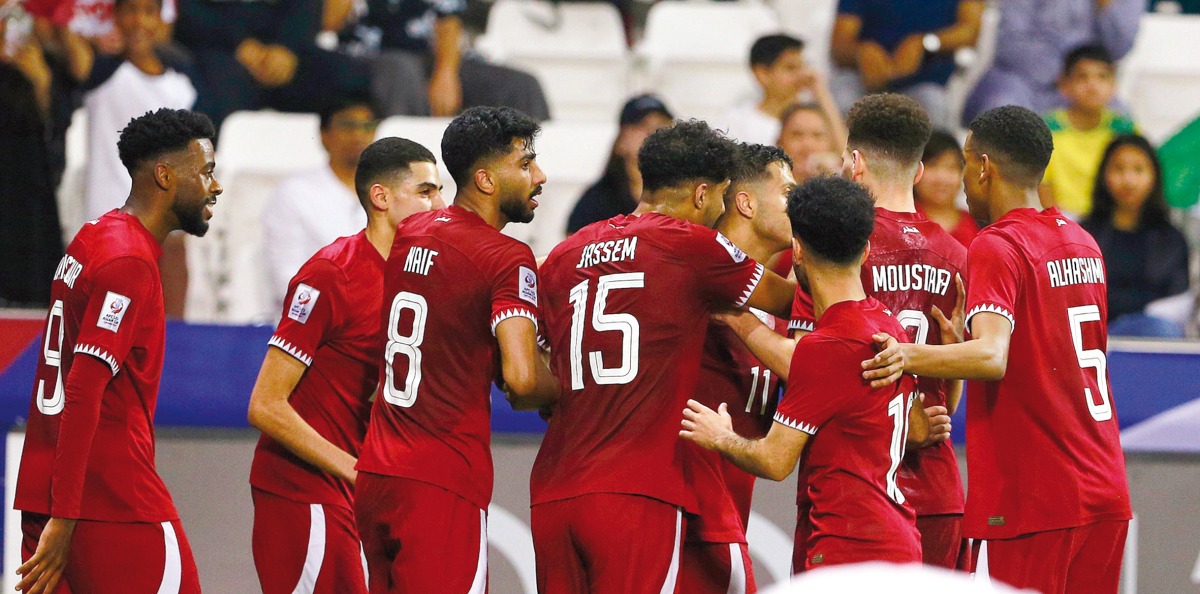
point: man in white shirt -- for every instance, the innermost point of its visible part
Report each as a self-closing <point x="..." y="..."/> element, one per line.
<point x="315" y="207"/>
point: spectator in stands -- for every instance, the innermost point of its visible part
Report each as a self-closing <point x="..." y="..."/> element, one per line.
<point x="252" y="54"/>
<point x="121" y="87"/>
<point x="937" y="190"/>
<point x="814" y="138"/>
<point x="1034" y="38"/>
<point x="419" y="63"/>
<point x="30" y="236"/>
<point x="777" y="63"/>
<point x="617" y="191"/>
<point x="1146" y="258"/>
<point x="904" y="46"/>
<point x="313" y="208"/>
<point x="93" y="21"/>
<point x="1082" y="130"/>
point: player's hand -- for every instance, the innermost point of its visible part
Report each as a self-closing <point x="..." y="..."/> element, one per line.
<point x="954" y="327"/>
<point x="704" y="426"/>
<point x="278" y="66"/>
<point x="740" y="320"/>
<point x="909" y="56"/>
<point x="874" y="65"/>
<point x="939" y="425"/>
<point x="445" y="93"/>
<point x="887" y="367"/>
<point x="42" y="572"/>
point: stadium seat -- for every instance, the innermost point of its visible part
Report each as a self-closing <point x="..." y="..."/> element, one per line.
<point x="812" y="22"/>
<point x="1160" y="78"/>
<point x="227" y="274"/>
<point x="428" y="133"/>
<point x="573" y="155"/>
<point x="71" y="206"/>
<point x="576" y="50"/>
<point x="696" y="54"/>
<point x="972" y="63"/>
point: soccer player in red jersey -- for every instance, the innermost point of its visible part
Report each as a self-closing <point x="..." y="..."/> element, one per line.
<point x="858" y="511"/>
<point x="1048" y="493"/>
<point x="715" y="554"/>
<point x="627" y="302"/>
<point x="912" y="269"/>
<point x="460" y="310"/>
<point x="96" y="516"/>
<point x="312" y="397"/>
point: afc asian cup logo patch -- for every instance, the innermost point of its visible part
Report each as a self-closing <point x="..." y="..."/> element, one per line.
<point x="734" y="251"/>
<point x="303" y="302"/>
<point x="113" y="311"/>
<point x="527" y="285"/>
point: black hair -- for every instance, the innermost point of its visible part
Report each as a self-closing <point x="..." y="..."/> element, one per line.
<point x="751" y="164"/>
<point x="383" y="160"/>
<point x="1016" y="139"/>
<point x="158" y="132"/>
<point x="1155" y="212"/>
<point x="683" y="152"/>
<point x="767" y="49"/>
<point x="889" y="125"/>
<point x="833" y="217"/>
<point x="940" y="143"/>
<point x="1093" y="52"/>
<point x="481" y="133"/>
<point x="335" y="106"/>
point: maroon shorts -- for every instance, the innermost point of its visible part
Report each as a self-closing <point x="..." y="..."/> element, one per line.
<point x="121" y="557"/>
<point x="1082" y="559"/>
<point x="418" y="537"/>
<point x="942" y="542"/>
<point x="306" y="547"/>
<point x="716" y="568"/>
<point x="607" y="543"/>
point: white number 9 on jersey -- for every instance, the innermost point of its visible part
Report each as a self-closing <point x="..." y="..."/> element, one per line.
<point x="404" y="396"/>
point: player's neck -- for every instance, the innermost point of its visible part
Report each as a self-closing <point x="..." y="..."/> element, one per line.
<point x="1009" y="198"/>
<point x="158" y="222"/>
<point x="896" y="198"/>
<point x="833" y="285"/>
<point x="742" y="235"/>
<point x="486" y="208"/>
<point x="381" y="233"/>
<point x="665" y="206"/>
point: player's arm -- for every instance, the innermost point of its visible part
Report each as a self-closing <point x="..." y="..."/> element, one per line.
<point x="984" y="357"/>
<point x="528" y="382"/>
<point x="953" y="330"/>
<point x="772" y="457"/>
<point x="271" y="413"/>
<point x="769" y="347"/>
<point x="773" y="294"/>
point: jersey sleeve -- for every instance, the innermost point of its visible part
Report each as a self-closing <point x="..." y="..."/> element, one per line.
<point x="515" y="286"/>
<point x="312" y="309"/>
<point x="994" y="278"/>
<point x="727" y="275"/>
<point x="120" y="302"/>
<point x="804" y="318"/>
<point x="814" y="395"/>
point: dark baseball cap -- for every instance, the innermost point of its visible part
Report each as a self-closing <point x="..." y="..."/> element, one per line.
<point x="641" y="106"/>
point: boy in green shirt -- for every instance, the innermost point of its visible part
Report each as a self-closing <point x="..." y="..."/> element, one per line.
<point x="1083" y="130"/>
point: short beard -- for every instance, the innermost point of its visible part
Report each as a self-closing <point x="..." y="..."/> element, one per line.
<point x="191" y="221"/>
<point x="516" y="212"/>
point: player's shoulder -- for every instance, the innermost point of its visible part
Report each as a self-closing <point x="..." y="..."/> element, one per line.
<point x="115" y="235"/>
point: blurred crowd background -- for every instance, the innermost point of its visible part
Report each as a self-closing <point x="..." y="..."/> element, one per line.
<point x="299" y="88"/>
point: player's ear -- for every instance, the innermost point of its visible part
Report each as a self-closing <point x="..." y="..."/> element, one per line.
<point x="164" y="176"/>
<point x="866" y="252"/>
<point x="858" y="165"/>
<point x="698" y="196"/>
<point x="485" y="182"/>
<point x="797" y="252"/>
<point x="986" y="169"/>
<point x="744" y="204"/>
<point x="920" y="172"/>
<point x="380" y="197"/>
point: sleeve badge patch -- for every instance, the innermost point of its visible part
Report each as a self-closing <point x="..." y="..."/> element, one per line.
<point x="303" y="302"/>
<point x="527" y="285"/>
<point x="113" y="311"/>
<point x="734" y="251"/>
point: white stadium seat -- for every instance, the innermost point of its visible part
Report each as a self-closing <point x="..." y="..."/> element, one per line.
<point x="428" y="133"/>
<point x="973" y="62"/>
<point x="696" y="54"/>
<point x="576" y="50"/>
<point x="226" y="272"/>
<point x="1160" y="78"/>
<point x="812" y="22"/>
<point x="71" y="207"/>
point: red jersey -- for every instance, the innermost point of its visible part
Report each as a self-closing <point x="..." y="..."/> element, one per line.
<point x="1043" y="446"/>
<point x="331" y="324"/>
<point x="964" y="230"/>
<point x="730" y="373"/>
<point x="911" y="269"/>
<point x="858" y="510"/>
<point x="450" y="279"/>
<point x="82" y="461"/>
<point x="627" y="305"/>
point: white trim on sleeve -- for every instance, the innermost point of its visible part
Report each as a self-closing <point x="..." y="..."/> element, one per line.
<point x="290" y="349"/>
<point x="753" y="284"/>
<point x="513" y="313"/>
<point x="794" y="424"/>
<point x="100" y="354"/>
<point x="992" y="308"/>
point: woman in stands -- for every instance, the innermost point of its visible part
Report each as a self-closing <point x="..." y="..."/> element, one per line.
<point x="1145" y="256"/>
<point x="937" y="191"/>
<point x="809" y="136"/>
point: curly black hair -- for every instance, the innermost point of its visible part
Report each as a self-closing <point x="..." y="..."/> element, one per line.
<point x="383" y="160"/>
<point x="751" y="164"/>
<point x="1016" y="139"/>
<point x="686" y="151"/>
<point x="890" y="126"/>
<point x="833" y="217"/>
<point x="481" y="133"/>
<point x="1155" y="212"/>
<point x="158" y="132"/>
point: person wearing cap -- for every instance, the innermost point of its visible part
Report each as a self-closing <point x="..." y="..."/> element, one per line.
<point x="615" y="193"/>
